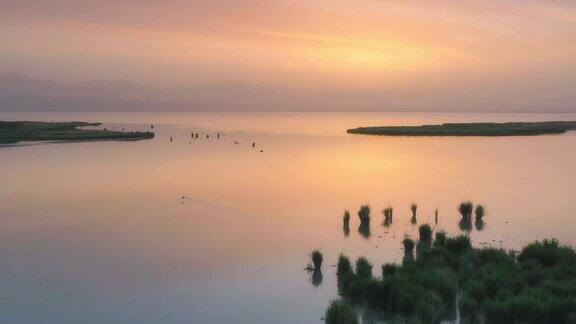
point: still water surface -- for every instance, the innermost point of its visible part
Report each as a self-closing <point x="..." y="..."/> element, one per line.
<point x="98" y="232"/>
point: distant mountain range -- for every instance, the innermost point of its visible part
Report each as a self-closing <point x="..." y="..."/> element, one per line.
<point x="20" y="92"/>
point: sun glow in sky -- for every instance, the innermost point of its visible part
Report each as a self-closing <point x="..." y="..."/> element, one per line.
<point x="363" y="45"/>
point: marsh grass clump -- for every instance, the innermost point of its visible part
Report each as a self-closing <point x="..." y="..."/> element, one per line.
<point x="425" y="232"/>
<point x="458" y="244"/>
<point x="390" y="269"/>
<point x="548" y="253"/>
<point x="317" y="258"/>
<point x="340" y="312"/>
<point x="413" y="209"/>
<point x="364" y="215"/>
<point x="440" y="239"/>
<point x="408" y="245"/>
<point x="363" y="268"/>
<point x="387" y="212"/>
<point x="465" y="210"/>
<point x="344" y="266"/>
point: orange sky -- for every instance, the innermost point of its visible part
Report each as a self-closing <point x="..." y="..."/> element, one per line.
<point x="338" y="44"/>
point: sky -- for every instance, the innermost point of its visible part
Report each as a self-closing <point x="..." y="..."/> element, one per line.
<point x="509" y="55"/>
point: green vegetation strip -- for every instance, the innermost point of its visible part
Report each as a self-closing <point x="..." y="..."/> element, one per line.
<point x="13" y="132"/>
<point x="487" y="285"/>
<point x="471" y="129"/>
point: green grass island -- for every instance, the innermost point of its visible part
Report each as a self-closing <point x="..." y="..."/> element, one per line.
<point x="18" y="131"/>
<point x="471" y="129"/>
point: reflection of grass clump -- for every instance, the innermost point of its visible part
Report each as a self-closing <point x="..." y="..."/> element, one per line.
<point x="340" y="312"/>
<point x="465" y="224"/>
<point x="346" y="218"/>
<point x="479" y="212"/>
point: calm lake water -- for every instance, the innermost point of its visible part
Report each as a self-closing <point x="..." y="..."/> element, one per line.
<point x="98" y="232"/>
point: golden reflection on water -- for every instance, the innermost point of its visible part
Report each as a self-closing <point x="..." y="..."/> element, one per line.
<point x="105" y="224"/>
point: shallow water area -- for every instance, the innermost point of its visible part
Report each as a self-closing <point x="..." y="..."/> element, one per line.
<point x="208" y="231"/>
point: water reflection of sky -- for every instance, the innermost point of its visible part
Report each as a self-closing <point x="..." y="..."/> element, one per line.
<point x="99" y="232"/>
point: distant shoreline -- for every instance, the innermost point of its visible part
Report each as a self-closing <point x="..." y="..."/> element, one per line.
<point x="28" y="131"/>
<point x="471" y="129"/>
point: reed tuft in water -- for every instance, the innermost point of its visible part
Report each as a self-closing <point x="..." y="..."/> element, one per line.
<point x="317" y="258"/>
<point x="364" y="215"/>
<point x="465" y="209"/>
<point x="414" y="209"/>
<point x="479" y="212"/>
<point x="387" y="212"/>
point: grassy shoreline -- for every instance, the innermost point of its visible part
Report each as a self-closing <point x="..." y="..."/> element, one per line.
<point x="19" y="131"/>
<point x="471" y="129"/>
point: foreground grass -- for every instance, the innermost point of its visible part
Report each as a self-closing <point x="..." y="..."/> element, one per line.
<point x="471" y="129"/>
<point x="536" y="285"/>
<point x="341" y="312"/>
<point x="13" y="132"/>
